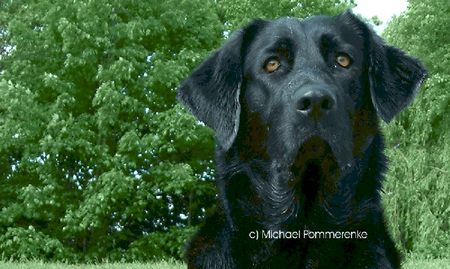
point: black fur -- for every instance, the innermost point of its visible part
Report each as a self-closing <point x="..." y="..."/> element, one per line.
<point x="281" y="167"/>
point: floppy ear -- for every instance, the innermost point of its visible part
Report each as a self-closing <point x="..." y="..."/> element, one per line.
<point x="394" y="78"/>
<point x="211" y="92"/>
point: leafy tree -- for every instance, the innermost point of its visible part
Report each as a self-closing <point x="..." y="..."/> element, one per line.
<point x="417" y="189"/>
<point x="97" y="161"/>
<point x="236" y="13"/>
<point x="94" y="152"/>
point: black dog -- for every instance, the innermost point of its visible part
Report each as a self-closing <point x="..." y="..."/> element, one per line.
<point x="294" y="106"/>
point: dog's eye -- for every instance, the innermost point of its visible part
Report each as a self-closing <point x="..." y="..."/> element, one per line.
<point x="272" y="65"/>
<point x="343" y="60"/>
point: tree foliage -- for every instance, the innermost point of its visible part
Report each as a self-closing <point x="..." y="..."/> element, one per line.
<point x="416" y="197"/>
<point x="97" y="161"/>
<point x="236" y="13"/>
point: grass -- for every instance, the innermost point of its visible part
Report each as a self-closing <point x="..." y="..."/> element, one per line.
<point x="41" y="265"/>
<point x="425" y="264"/>
<point x="410" y="264"/>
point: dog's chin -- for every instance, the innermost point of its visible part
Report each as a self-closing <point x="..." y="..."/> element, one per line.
<point x="327" y="149"/>
<point x="315" y="169"/>
<point x="314" y="148"/>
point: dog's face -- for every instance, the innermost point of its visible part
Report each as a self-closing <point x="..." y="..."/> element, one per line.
<point x="313" y="86"/>
<point x="304" y="81"/>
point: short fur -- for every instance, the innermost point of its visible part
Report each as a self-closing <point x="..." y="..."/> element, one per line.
<point x="281" y="169"/>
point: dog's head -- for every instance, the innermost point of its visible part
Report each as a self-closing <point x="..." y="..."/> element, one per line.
<point x="312" y="86"/>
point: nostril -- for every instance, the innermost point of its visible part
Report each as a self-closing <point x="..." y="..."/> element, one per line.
<point x="316" y="103"/>
<point x="304" y="104"/>
<point x="327" y="103"/>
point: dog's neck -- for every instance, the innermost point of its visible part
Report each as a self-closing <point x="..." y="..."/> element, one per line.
<point x="264" y="181"/>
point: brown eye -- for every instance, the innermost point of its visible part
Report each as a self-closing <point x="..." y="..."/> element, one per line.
<point x="272" y="65"/>
<point x="343" y="60"/>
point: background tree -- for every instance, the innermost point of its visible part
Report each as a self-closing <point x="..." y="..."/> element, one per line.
<point x="96" y="159"/>
<point x="417" y="191"/>
<point x="236" y="13"/>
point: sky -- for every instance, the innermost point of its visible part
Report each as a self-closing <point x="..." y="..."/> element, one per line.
<point x="383" y="9"/>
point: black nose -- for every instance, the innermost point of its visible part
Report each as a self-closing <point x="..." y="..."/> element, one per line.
<point x="316" y="103"/>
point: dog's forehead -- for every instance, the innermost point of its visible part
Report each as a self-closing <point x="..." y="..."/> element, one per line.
<point x="310" y="29"/>
<point x="288" y="27"/>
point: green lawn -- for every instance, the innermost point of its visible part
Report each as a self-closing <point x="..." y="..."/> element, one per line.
<point x="40" y="265"/>
<point x="426" y="264"/>
<point x="410" y="264"/>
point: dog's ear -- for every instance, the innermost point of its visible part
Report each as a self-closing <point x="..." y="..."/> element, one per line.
<point x="394" y="77"/>
<point x="211" y="92"/>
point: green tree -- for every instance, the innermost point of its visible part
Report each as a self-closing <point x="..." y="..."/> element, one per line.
<point x="417" y="189"/>
<point x="236" y="13"/>
<point x="97" y="161"/>
<point x="95" y="155"/>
